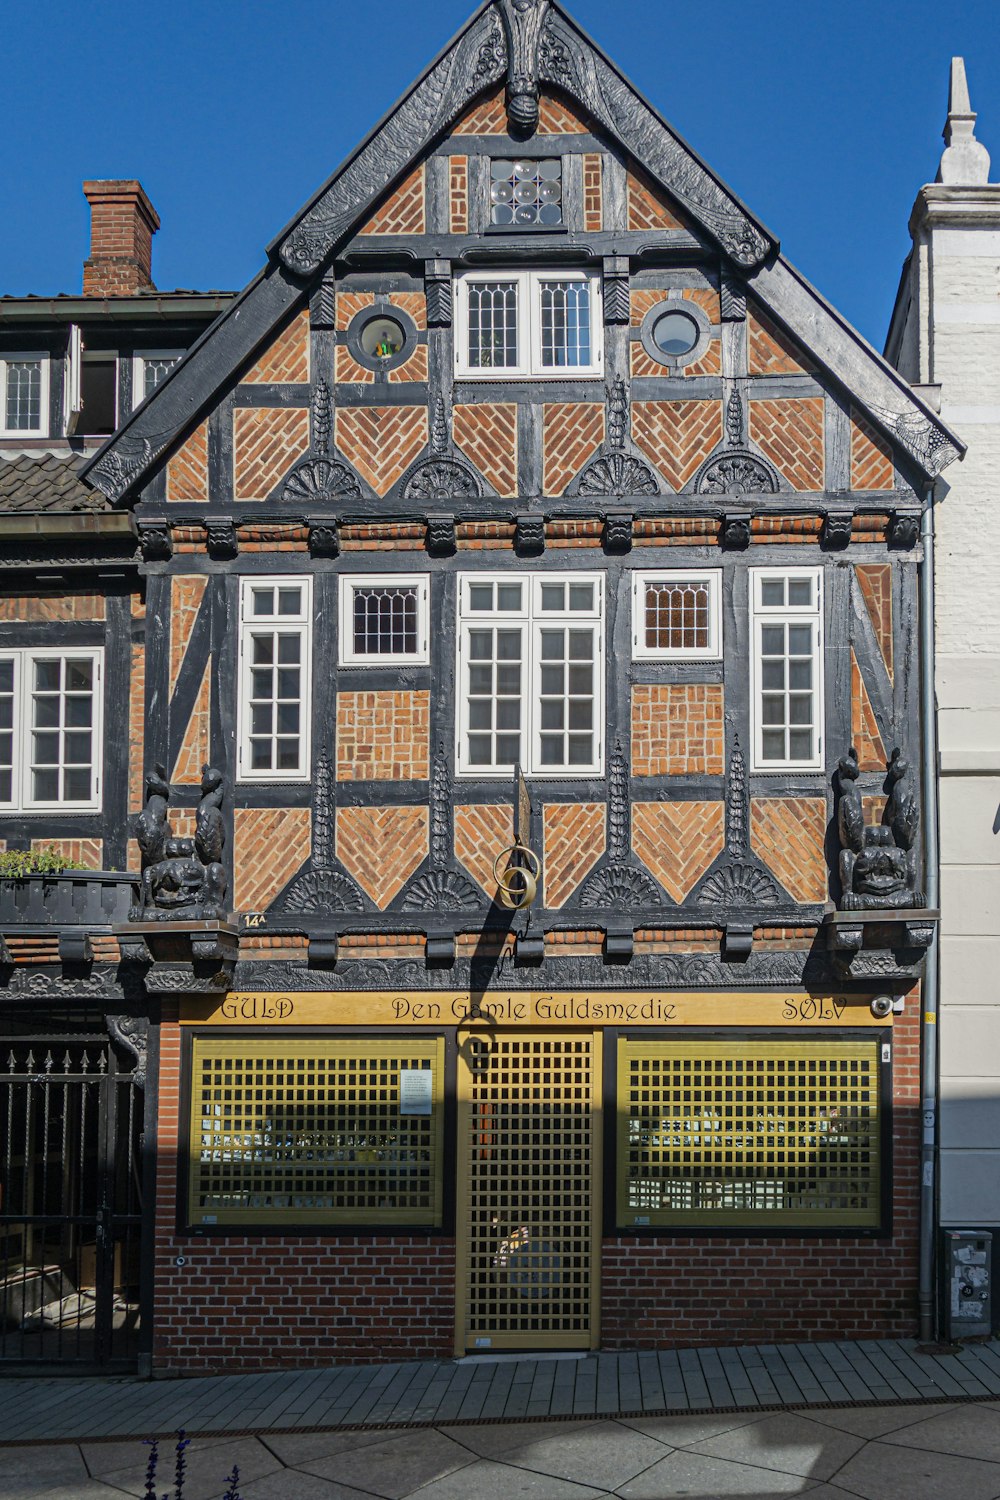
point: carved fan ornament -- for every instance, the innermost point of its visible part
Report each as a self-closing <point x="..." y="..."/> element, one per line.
<point x="442" y="890"/>
<point x="321" y="893"/>
<point x="737" y="473"/>
<point x="320" y="479"/>
<point x="441" y="479"/>
<point x="621" y="888"/>
<point x="617" y="474"/>
<point x="738" y="885"/>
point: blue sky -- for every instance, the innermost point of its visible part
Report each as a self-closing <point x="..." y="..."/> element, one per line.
<point x="824" y="118"/>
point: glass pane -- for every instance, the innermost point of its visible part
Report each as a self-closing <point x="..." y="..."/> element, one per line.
<point x="553" y="645"/>
<point x="77" y="785"/>
<point x="45" y="749"/>
<point x="800" y="639"/>
<point x="552" y="749"/>
<point x="289" y="601"/>
<point x="24" y="395"/>
<point x="508" y="749"/>
<point x="481" y="714"/>
<point x="800" y="708"/>
<point x="45" y="786"/>
<point x="386" y="621"/>
<point x="262" y="601"/>
<point x="773" y="709"/>
<point x="508" y="679"/>
<point x="481" y="679"/>
<point x="581" y="714"/>
<point x="509" y="597"/>
<point x="800" y="744"/>
<point x="289" y="649"/>
<point x="553" y="596"/>
<point x="47" y="676"/>
<point x="581" y="749"/>
<point x="481" y="645"/>
<point x="553" y="679"/>
<point x="6" y="676"/>
<point x="552" y="713"/>
<point x="493" y="341"/>
<point x="288" y="682"/>
<point x="581" y="596"/>
<point x="772" y="640"/>
<point x="773" y="744"/>
<point x="800" y="592"/>
<point x="6" y="713"/>
<point x="288" y="755"/>
<point x="581" y="645"/>
<point x="46" y="712"/>
<point x="479" y="749"/>
<point x="675" y="332"/>
<point x="261" y="718"/>
<point x="79" y="712"/>
<point x="260" y="755"/>
<point x="263" y="649"/>
<point x="480" y="596"/>
<point x="508" y="645"/>
<point x="79" y="676"/>
<point x="288" y="718"/>
<point x="772" y="674"/>
<point x="508" y="713"/>
<point x="76" y="747"/>
<point x="260" y="682"/>
<point x="800" y="674"/>
<point x="772" y="592"/>
<point x="565" y="324"/>
<point x="6" y="785"/>
<point x="525" y="192"/>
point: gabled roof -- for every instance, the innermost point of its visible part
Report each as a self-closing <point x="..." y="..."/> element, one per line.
<point x="527" y="43"/>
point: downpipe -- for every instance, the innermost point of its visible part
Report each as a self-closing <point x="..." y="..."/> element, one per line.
<point x="930" y="989"/>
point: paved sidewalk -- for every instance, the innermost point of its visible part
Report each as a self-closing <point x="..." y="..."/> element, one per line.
<point x="501" y="1389"/>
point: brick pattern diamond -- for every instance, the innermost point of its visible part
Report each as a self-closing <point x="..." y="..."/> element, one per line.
<point x="383" y="736"/>
<point x="286" y="362"/>
<point x="458" y="194"/>
<point x="572" y="433"/>
<point x="677" y="435"/>
<point x="195" y="751"/>
<point x="573" y="842"/>
<point x="558" y="117"/>
<point x="790" y="433"/>
<point x="381" y="441"/>
<point x="487" y="117"/>
<point x="677" y="841"/>
<point x="871" y="457"/>
<point x="482" y="831"/>
<point x="136" y="729"/>
<point x="788" y="834"/>
<point x="403" y="212"/>
<point x="186" y="594"/>
<point x="593" y="199"/>
<point x="82" y="854"/>
<point x="270" y="846"/>
<point x="647" y="208"/>
<point x="772" y="352"/>
<point x="267" y="441"/>
<point x="187" y="471"/>
<point x="875" y="582"/>
<point x="487" y="435"/>
<point x="865" y="734"/>
<point x="381" y="847"/>
<point x="677" y="729"/>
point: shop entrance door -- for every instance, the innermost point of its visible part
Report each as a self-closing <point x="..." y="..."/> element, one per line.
<point x="529" y="1191"/>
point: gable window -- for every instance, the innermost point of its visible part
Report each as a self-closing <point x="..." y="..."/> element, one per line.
<point x="530" y="657"/>
<point x="24" y="395"/>
<point x="275" y="657"/>
<point x="525" y="192"/>
<point x="149" y="369"/>
<point x="786" y="610"/>
<point x="50" y="730"/>
<point x="677" y="615"/>
<point x="537" y="324"/>
<point x="383" y="620"/>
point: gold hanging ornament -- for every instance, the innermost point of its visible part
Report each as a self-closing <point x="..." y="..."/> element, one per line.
<point x="517" y="881"/>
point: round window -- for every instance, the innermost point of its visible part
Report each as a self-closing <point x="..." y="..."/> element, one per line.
<point x="382" y="338"/>
<point x="675" y="333"/>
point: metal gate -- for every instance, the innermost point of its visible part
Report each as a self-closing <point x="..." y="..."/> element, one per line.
<point x="529" y="1201"/>
<point x="70" y="1200"/>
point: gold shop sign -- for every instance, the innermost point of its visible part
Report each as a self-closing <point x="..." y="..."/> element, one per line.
<point x="520" y="1008"/>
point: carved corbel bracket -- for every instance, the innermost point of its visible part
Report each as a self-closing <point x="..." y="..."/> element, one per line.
<point x="735" y="533"/>
<point x="879" y="944"/>
<point x="619" y="943"/>
<point x="440" y="540"/>
<point x="324" y="538"/>
<point x="529" y="948"/>
<point x="618" y="531"/>
<point x="199" y="956"/>
<point x="221" y="537"/>
<point x="838" y="525"/>
<point x="75" y="946"/>
<point x="154" y="540"/>
<point x="6" y="957"/>
<point x="529" y="537"/>
<point x="737" y="942"/>
<point x="439" y="950"/>
<point x="323" y="951"/>
<point x="523" y="21"/>
<point x="904" y="530"/>
<point x="437" y="287"/>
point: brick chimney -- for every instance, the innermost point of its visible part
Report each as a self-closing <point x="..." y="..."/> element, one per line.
<point x="122" y="225"/>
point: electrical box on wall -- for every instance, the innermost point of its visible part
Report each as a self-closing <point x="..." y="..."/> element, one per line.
<point x="966" y="1271"/>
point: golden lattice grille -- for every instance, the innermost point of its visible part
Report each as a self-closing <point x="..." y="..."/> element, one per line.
<point x="314" y="1131"/>
<point x="529" y="1210"/>
<point x="739" y="1132"/>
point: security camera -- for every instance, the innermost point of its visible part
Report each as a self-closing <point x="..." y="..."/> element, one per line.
<point x="881" y="1007"/>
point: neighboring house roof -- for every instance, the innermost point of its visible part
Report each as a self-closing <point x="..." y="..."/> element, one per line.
<point x="47" y="482"/>
<point x="526" y="43"/>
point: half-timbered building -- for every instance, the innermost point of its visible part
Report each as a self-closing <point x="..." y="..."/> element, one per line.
<point x="514" y="729"/>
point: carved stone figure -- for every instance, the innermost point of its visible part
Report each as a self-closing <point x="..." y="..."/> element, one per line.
<point x="877" y="865"/>
<point x="182" y="878"/>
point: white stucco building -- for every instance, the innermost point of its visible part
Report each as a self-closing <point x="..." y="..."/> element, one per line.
<point x="945" y="333"/>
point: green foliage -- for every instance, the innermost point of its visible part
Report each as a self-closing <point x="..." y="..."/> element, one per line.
<point x="16" y="863"/>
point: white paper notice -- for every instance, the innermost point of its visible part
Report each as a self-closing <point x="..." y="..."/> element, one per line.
<point x="416" y="1091"/>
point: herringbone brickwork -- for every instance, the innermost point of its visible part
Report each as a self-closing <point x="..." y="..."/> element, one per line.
<point x="788" y="834"/>
<point x="270" y="846"/>
<point x="187" y="471"/>
<point x="677" y="841"/>
<point x="403" y="212"/>
<point x="458" y="194"/>
<point x="865" y="734"/>
<point x="487" y="435"/>
<point x="136" y="729"/>
<point x="482" y="831"/>
<point x="381" y="847"/>
<point x="383" y="736"/>
<point x="677" y="435"/>
<point x="875" y="582"/>
<point x="82" y="854"/>
<point x="286" y="362"/>
<point x="381" y="441"/>
<point x="267" y="441"/>
<point x="572" y="432"/>
<point x="871" y="457"/>
<point x="593" y="196"/>
<point x="347" y="371"/>
<point x="790" y="433"/>
<point x="677" y="729"/>
<point x="195" y="752"/>
<point x="573" y="842"/>
<point x="770" y="351"/>
<point x="647" y="206"/>
<point x="349" y="304"/>
<point x="186" y="594"/>
<point x="15" y="608"/>
<point x="558" y="117"/>
<point x="643" y="365"/>
<point x="643" y="299"/>
<point x="485" y="117"/>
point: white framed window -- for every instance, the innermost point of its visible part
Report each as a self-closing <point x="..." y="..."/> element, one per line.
<point x="384" y="620"/>
<point x="24" y="394"/>
<point x="677" y="614"/>
<point x="51" y="730"/>
<point x="150" y="368"/>
<point x="275" y="668"/>
<point x="786" y="616"/>
<point x="539" y="324"/>
<point x="530" y="674"/>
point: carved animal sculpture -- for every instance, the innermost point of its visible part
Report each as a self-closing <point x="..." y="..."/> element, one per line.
<point x="152" y="827"/>
<point x="850" y="810"/>
<point x="210" y="830"/>
<point x="901" y="812"/>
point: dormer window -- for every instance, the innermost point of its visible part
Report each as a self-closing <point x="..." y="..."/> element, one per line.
<point x="525" y="193"/>
<point x="535" y="324"/>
